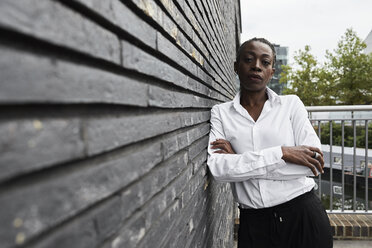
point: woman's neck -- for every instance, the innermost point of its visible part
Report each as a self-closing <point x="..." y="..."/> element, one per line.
<point x="252" y="99"/>
<point x="253" y="102"/>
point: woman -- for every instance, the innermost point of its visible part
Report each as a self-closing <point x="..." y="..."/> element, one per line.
<point x="266" y="147"/>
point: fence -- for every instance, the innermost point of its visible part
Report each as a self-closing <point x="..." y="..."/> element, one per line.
<point x="356" y="152"/>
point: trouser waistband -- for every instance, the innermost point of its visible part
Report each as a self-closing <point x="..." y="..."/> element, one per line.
<point x="279" y="207"/>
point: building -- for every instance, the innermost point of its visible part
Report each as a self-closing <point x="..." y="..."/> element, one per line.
<point x="105" y="109"/>
<point x="368" y="41"/>
<point x="281" y="59"/>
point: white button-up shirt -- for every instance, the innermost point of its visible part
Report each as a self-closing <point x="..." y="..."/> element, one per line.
<point x="259" y="176"/>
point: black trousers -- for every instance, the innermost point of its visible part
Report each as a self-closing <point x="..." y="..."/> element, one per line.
<point x="300" y="223"/>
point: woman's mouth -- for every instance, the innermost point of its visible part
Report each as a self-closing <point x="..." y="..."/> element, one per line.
<point x="255" y="77"/>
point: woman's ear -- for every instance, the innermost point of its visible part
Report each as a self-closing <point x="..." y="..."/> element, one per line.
<point x="236" y="67"/>
<point x="272" y="72"/>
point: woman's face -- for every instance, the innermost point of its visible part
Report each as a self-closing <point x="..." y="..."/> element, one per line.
<point x="255" y="66"/>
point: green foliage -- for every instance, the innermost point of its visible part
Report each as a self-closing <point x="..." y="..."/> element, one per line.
<point x="348" y="134"/>
<point x="345" y="78"/>
<point x="309" y="82"/>
<point x="337" y="203"/>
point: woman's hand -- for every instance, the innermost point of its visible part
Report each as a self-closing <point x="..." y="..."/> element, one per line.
<point x="304" y="155"/>
<point x="223" y="145"/>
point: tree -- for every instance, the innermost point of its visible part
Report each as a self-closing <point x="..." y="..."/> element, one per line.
<point x="308" y="81"/>
<point x="351" y="70"/>
<point x="345" y="78"/>
<point x="348" y="134"/>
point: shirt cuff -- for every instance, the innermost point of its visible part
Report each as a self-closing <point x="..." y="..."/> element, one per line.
<point x="273" y="155"/>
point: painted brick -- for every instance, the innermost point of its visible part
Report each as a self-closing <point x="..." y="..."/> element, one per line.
<point x="52" y="199"/>
<point x="178" y="16"/>
<point x="152" y="211"/>
<point x="136" y="59"/>
<point x="54" y="23"/>
<point x="40" y="79"/>
<point x="105" y="130"/>
<point x="107" y="133"/>
<point x="87" y="230"/>
<point x="76" y="234"/>
<point x="186" y="226"/>
<point x="32" y="144"/>
<point x="207" y="27"/>
<point x="160" y="97"/>
<point x="168" y="225"/>
<point x="176" y="141"/>
<point x="350" y="226"/>
<point x="121" y="16"/>
<point x="131" y="234"/>
<point x="161" y="228"/>
<point x="155" y="12"/>
<point x="143" y="190"/>
<point x="199" y="161"/>
<point x="198" y="146"/>
<point x="169" y="49"/>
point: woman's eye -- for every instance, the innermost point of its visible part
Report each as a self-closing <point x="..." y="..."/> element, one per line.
<point x="248" y="59"/>
<point x="266" y="63"/>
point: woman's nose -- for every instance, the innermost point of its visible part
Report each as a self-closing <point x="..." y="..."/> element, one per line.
<point x="256" y="66"/>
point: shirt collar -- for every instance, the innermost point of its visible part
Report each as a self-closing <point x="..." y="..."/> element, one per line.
<point x="273" y="99"/>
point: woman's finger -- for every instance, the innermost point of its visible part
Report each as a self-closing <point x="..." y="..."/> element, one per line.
<point x="315" y="149"/>
<point x="219" y="146"/>
<point x="222" y="145"/>
<point x="321" y="160"/>
<point x="312" y="167"/>
<point x="311" y="153"/>
<point x="220" y="151"/>
<point x="317" y="164"/>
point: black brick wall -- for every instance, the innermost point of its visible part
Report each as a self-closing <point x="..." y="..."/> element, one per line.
<point x="104" y="122"/>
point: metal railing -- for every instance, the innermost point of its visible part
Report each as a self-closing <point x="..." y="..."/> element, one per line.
<point x="318" y="123"/>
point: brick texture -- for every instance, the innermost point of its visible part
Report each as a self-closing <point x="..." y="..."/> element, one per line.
<point x="104" y="122"/>
<point x="351" y="226"/>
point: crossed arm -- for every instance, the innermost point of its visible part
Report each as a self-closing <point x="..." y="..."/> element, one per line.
<point x="308" y="156"/>
<point x="276" y="163"/>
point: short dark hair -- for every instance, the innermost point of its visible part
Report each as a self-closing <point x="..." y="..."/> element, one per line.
<point x="262" y="40"/>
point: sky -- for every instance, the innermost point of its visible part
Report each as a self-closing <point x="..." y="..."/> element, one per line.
<point x="296" y="23"/>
